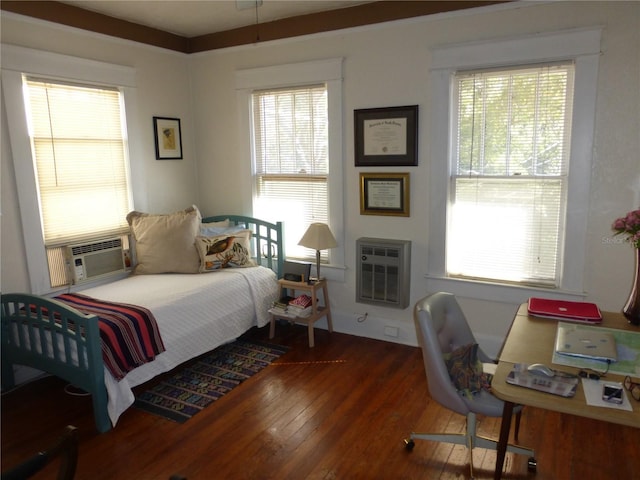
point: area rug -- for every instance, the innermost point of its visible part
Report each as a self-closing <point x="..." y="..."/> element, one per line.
<point x="201" y="383"/>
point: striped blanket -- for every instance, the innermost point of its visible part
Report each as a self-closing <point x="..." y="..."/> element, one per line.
<point x="129" y="334"/>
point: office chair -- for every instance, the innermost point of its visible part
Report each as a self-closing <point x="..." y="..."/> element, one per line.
<point x="66" y="447"/>
<point x="442" y="328"/>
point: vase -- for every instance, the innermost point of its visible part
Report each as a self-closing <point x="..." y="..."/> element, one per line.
<point x="631" y="309"/>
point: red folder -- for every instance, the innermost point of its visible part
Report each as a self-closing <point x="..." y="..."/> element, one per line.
<point x="564" y="310"/>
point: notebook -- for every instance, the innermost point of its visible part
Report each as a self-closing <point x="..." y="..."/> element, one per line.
<point x="585" y="342"/>
<point x="582" y="312"/>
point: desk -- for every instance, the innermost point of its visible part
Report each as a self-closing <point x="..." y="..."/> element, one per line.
<point x="531" y="340"/>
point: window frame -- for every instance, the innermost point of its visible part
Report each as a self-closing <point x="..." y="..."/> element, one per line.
<point x="19" y="61"/>
<point x="510" y="176"/>
<point x="583" y="48"/>
<point x="329" y="72"/>
<point x="299" y="185"/>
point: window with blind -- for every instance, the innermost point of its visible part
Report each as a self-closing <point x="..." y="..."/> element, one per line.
<point x="509" y="172"/>
<point x="79" y="148"/>
<point x="291" y="160"/>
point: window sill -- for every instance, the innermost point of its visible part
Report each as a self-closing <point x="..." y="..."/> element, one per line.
<point x="513" y="294"/>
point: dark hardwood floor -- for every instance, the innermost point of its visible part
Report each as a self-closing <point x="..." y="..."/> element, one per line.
<point x="338" y="411"/>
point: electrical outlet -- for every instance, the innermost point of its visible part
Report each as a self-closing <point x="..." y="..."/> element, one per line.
<point x="391" y="331"/>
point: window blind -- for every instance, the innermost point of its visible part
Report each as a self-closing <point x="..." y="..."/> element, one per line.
<point x="291" y="161"/>
<point x="509" y="174"/>
<point x="79" y="149"/>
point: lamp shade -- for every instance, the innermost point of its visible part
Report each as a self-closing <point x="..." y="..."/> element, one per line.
<point x="318" y="237"/>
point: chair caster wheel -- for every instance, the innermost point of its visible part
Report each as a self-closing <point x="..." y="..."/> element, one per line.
<point x="532" y="465"/>
<point x="409" y="444"/>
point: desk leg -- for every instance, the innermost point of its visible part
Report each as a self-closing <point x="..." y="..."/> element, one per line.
<point x="505" y="428"/>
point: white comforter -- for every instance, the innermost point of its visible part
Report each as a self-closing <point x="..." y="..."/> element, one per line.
<point x="195" y="313"/>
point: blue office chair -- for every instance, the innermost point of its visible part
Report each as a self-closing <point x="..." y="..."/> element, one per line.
<point x="442" y="328"/>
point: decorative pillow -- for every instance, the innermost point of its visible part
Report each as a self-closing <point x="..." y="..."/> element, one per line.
<point x="166" y="243"/>
<point x="225" y="251"/>
<point x="210" y="231"/>
<point x="465" y="370"/>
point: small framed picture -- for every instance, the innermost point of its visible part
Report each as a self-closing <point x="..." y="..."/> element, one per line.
<point x="168" y="138"/>
<point x="384" y="194"/>
<point x="386" y="137"/>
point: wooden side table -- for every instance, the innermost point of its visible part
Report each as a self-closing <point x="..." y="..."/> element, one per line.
<point x="317" y="311"/>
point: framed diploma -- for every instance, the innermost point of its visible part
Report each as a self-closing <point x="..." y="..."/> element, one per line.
<point x="168" y="138"/>
<point x="384" y="194"/>
<point x="386" y="136"/>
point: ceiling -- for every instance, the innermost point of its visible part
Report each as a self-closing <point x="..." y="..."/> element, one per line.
<point x="192" y="26"/>
<point x="189" y="18"/>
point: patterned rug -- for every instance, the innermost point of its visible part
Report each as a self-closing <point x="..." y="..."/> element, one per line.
<point x="199" y="384"/>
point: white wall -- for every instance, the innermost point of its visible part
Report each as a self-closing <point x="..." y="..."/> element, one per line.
<point x="388" y="65"/>
<point x="384" y="65"/>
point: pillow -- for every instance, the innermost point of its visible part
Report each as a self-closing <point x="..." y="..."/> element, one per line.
<point x="210" y="231"/>
<point x="221" y="224"/>
<point x="465" y="370"/>
<point x="225" y="251"/>
<point x="166" y="243"/>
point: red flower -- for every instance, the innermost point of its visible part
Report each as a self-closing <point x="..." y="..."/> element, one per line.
<point x="629" y="225"/>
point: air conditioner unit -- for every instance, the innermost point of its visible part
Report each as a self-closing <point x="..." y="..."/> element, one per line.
<point x="89" y="261"/>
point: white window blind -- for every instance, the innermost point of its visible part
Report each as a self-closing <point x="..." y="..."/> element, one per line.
<point x="79" y="148"/>
<point x="291" y="160"/>
<point x="509" y="174"/>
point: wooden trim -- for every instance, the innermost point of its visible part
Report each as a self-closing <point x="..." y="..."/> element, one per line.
<point x="349" y="17"/>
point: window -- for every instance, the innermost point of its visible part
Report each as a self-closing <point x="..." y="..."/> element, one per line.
<point x="507" y="216"/>
<point x="67" y="119"/>
<point x="291" y="164"/>
<point x="78" y="146"/>
<point x="292" y="118"/>
<point x="509" y="174"/>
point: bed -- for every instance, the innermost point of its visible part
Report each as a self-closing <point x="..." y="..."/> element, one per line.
<point x="195" y="313"/>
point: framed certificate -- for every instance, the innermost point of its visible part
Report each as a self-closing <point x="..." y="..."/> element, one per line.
<point x="384" y="194"/>
<point x="386" y="136"/>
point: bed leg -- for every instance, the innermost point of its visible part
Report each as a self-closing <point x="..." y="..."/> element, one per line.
<point x="100" y="412"/>
<point x="8" y="376"/>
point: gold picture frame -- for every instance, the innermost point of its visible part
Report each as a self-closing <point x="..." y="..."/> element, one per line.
<point x="384" y="194"/>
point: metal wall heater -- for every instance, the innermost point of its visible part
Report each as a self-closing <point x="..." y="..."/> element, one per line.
<point x="383" y="272"/>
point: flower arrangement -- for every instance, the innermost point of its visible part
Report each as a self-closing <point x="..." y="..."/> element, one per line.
<point x="629" y="225"/>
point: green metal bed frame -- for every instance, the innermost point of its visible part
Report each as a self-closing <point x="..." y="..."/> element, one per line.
<point x="39" y="316"/>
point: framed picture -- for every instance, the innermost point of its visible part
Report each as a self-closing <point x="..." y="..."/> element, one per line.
<point x="386" y="137"/>
<point x="168" y="138"/>
<point x="384" y="194"/>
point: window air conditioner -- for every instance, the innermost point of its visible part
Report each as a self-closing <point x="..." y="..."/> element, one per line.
<point x="89" y="261"/>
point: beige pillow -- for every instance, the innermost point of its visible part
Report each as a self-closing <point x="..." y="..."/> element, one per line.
<point x="225" y="251"/>
<point x="166" y="243"/>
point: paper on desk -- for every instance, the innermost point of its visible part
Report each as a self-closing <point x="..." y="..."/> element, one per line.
<point x="593" y="394"/>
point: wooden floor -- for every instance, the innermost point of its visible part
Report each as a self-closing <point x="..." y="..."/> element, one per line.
<point x="338" y="411"/>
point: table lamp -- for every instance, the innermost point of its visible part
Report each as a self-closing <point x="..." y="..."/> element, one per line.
<point x="318" y="237"/>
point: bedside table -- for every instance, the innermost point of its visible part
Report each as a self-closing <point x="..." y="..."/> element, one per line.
<point x="317" y="311"/>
